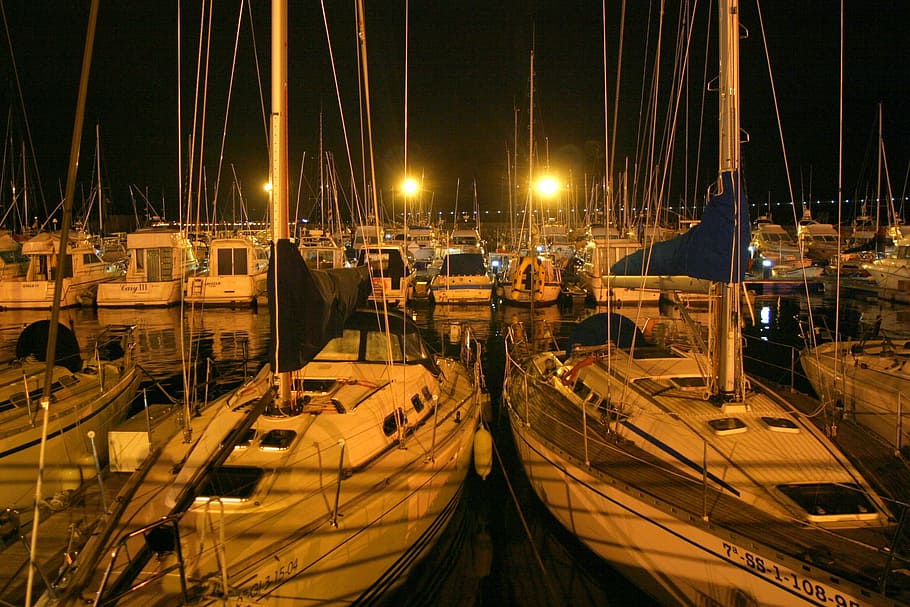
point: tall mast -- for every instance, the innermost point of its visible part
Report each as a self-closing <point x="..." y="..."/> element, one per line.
<point x="728" y="343"/>
<point x="279" y="156"/>
<point x="531" y="164"/>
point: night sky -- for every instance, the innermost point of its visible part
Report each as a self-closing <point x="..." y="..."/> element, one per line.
<point x="468" y="80"/>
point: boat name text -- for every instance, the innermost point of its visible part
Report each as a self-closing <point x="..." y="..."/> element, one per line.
<point x="785" y="578"/>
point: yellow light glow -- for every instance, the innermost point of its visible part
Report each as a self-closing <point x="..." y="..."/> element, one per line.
<point x="267" y="186"/>
<point x="547" y="186"/>
<point x="409" y="187"/>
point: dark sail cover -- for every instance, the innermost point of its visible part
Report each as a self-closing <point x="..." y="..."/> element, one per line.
<point x="308" y="307"/>
<point x="463" y="264"/>
<point x="33" y="342"/>
<point x="600" y="328"/>
<point x="706" y="250"/>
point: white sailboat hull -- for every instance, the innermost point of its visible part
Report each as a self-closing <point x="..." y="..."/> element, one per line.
<point x="677" y="561"/>
<point x="870" y="386"/>
<point x="312" y="532"/>
<point x="623" y="484"/>
<point x="81" y="404"/>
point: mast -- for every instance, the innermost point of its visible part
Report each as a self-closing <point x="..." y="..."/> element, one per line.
<point x="531" y="167"/>
<point x="279" y="157"/>
<point x="45" y="401"/>
<point x="728" y="370"/>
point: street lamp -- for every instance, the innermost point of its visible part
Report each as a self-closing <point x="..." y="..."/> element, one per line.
<point x="547" y="186"/>
<point x="410" y="187"/>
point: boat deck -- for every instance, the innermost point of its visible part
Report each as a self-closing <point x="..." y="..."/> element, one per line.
<point x="859" y="555"/>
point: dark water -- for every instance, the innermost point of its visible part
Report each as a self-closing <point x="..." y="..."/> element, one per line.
<point x="502" y="547"/>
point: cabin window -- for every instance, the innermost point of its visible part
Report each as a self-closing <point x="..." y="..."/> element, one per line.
<point x="232" y="261"/>
<point x="378" y="347"/>
<point x="418" y="404"/>
<point x="12" y="257"/>
<point x="67" y="267"/>
<point x="68" y="381"/>
<point x="345" y="347"/>
<point x="160" y="264"/>
<point x="427" y="395"/>
<point x="378" y="261"/>
<point x="246" y="439"/>
<point x="231" y="483"/>
<point x="413" y="347"/>
<point x="392" y="422"/>
<point x="581" y="390"/>
<point x="319" y="386"/>
<point x="277" y="440"/>
<point x="140" y="259"/>
<point x="689" y="382"/>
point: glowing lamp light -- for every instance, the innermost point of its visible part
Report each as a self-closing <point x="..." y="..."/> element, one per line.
<point x="547" y="186"/>
<point x="767" y="263"/>
<point x="409" y="187"/>
<point x="267" y="186"/>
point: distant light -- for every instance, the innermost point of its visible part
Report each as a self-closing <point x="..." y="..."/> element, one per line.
<point x="765" y="315"/>
<point x="767" y="263"/>
<point x="547" y="186"/>
<point x="409" y="187"/>
<point x="267" y="186"/>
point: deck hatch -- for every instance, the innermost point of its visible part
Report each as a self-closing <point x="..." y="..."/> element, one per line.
<point x="277" y="440"/>
<point x="727" y="425"/>
<point x="830" y="501"/>
<point x="780" y="424"/>
<point x="231" y="483"/>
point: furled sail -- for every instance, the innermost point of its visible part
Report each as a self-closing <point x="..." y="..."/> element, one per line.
<point x="308" y="307"/>
<point x="707" y="250"/>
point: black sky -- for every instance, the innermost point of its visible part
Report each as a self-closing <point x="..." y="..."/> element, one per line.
<point x="468" y="74"/>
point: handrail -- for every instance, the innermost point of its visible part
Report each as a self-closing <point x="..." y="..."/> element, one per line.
<point x="158" y="543"/>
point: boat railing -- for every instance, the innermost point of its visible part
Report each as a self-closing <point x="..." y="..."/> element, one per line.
<point x="597" y="425"/>
<point x="600" y="422"/>
<point x="161" y="537"/>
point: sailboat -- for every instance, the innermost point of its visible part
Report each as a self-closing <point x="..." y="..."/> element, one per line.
<point x="531" y="277"/>
<point x="866" y="381"/>
<point x="90" y="394"/>
<point x="701" y="485"/>
<point x="322" y="479"/>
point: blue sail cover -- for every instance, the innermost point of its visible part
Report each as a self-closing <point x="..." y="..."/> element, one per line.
<point x="706" y="250"/>
<point x="308" y="307"/>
